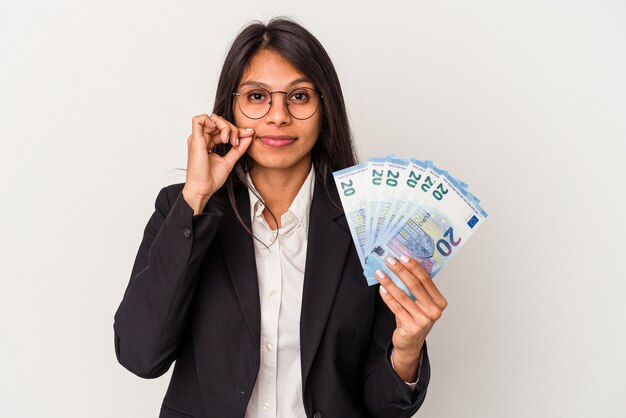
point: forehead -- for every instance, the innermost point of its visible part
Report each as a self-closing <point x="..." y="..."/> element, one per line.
<point x="271" y="69"/>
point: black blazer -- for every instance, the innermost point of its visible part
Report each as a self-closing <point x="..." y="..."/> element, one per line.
<point x="193" y="298"/>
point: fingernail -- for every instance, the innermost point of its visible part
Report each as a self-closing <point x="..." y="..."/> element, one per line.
<point x="404" y="258"/>
<point x="383" y="290"/>
<point x="236" y="141"/>
<point x="380" y="274"/>
<point x="391" y="260"/>
<point x="227" y="139"/>
<point x="249" y="129"/>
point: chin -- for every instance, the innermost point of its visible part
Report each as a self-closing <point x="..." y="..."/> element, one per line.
<point x="280" y="162"/>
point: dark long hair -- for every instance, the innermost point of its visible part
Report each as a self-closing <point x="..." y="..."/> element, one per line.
<point x="334" y="148"/>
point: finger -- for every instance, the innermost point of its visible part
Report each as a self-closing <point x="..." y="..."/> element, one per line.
<point x="237" y="151"/>
<point x="243" y="133"/>
<point x="200" y="140"/>
<point x="212" y="137"/>
<point x="234" y="136"/>
<point x="422" y="298"/>
<point x="201" y="123"/>
<point x="238" y="133"/>
<point x="397" y="293"/>
<point x="406" y="319"/>
<point x="418" y="271"/>
<point x="414" y="285"/>
<point x="224" y="126"/>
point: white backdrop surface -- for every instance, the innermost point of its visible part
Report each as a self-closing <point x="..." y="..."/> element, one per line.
<point x="524" y="100"/>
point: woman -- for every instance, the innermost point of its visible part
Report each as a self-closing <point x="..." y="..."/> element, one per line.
<point x="247" y="275"/>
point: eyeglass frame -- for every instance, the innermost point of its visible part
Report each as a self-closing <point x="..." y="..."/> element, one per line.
<point x="286" y="93"/>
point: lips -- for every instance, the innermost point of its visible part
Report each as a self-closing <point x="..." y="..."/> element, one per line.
<point x="276" y="141"/>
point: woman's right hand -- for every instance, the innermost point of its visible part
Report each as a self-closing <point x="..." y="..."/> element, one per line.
<point x="207" y="171"/>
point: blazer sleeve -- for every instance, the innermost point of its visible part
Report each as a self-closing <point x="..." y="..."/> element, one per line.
<point x="149" y="322"/>
<point x="385" y="393"/>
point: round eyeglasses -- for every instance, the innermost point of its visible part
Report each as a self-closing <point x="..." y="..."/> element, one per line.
<point x="301" y="102"/>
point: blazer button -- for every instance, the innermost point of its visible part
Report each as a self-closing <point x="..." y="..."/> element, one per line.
<point x="187" y="232"/>
<point x="317" y="414"/>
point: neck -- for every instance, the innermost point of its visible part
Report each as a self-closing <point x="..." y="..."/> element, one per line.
<point x="278" y="188"/>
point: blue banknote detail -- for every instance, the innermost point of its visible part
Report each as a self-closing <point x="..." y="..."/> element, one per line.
<point x="382" y="216"/>
<point x="412" y="241"/>
<point x="473" y="221"/>
<point x="356" y="221"/>
<point x="426" y="236"/>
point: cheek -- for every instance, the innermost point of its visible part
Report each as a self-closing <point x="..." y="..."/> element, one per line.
<point x="316" y="128"/>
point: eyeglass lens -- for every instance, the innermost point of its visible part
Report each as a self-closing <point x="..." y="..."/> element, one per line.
<point x="255" y="102"/>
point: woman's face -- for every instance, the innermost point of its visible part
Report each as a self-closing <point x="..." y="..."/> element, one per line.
<point x="281" y="141"/>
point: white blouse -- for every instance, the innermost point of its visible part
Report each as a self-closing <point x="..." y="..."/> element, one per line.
<point x="280" y="270"/>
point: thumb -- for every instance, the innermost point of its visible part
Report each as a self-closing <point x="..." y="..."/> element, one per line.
<point x="236" y="152"/>
<point x="246" y="132"/>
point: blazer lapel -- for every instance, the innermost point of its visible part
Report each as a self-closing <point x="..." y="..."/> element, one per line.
<point x="328" y="244"/>
<point x="238" y="248"/>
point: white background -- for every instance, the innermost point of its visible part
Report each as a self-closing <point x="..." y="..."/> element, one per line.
<point x="525" y="100"/>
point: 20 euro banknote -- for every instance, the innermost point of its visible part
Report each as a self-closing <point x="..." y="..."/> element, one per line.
<point x="400" y="207"/>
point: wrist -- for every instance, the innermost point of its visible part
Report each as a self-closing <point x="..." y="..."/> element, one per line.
<point x="408" y="354"/>
<point x="196" y="201"/>
<point x="406" y="363"/>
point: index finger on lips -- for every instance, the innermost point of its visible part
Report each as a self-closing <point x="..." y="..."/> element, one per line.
<point x="245" y="132"/>
<point x="422" y="275"/>
<point x="240" y="133"/>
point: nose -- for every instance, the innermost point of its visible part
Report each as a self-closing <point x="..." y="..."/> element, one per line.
<point x="278" y="114"/>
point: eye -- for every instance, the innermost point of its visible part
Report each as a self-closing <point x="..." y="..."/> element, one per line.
<point x="256" y="96"/>
<point x="300" y="96"/>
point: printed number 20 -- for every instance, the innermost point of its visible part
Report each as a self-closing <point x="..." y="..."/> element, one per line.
<point x="440" y="192"/>
<point x="445" y="247"/>
<point x="347" y="188"/>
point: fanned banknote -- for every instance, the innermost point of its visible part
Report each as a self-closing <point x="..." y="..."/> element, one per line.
<point x="398" y="207"/>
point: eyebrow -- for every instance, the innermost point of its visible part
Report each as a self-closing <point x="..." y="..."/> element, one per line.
<point x="293" y="83"/>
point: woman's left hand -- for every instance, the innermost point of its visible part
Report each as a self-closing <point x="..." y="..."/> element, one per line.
<point x="414" y="319"/>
